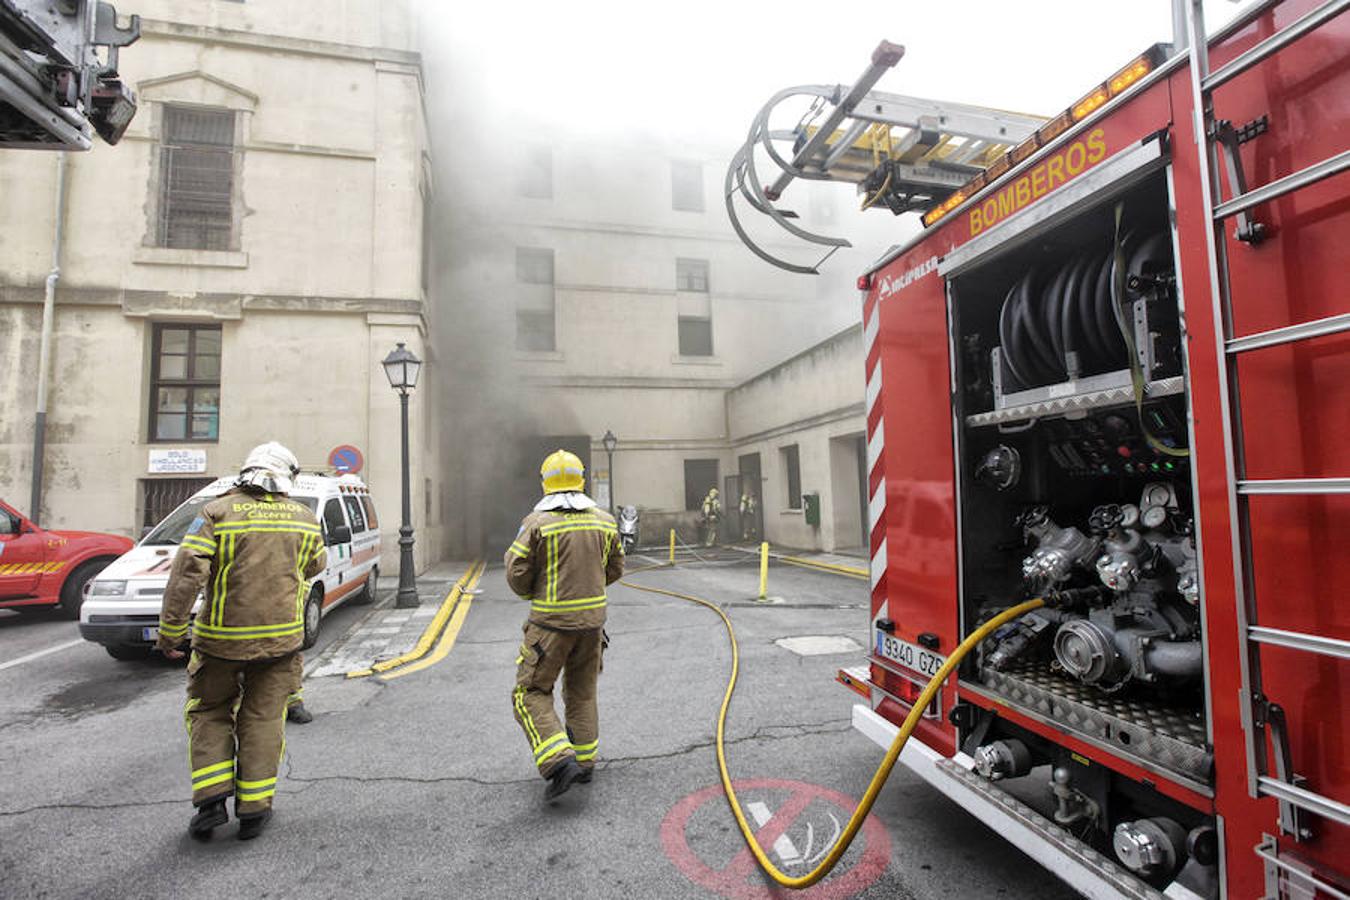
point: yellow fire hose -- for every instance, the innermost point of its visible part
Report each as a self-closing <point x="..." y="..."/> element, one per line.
<point x="883" y="771"/>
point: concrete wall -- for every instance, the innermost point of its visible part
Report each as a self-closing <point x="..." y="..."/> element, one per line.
<point x="813" y="401"/>
<point x="322" y="277"/>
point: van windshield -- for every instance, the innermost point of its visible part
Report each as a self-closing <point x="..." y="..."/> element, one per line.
<point x="175" y="524"/>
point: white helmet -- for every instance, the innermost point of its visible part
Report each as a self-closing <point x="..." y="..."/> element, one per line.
<point x="271" y="467"/>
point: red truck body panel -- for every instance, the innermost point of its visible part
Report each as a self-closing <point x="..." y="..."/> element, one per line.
<point x="1295" y="407"/>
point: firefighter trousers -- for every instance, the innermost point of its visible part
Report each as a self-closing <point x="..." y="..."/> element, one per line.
<point x="236" y="725"/>
<point x="578" y="657"/>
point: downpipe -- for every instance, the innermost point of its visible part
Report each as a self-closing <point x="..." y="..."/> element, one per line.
<point x="45" y="343"/>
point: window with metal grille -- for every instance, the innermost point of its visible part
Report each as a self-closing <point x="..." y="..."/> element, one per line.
<point x="196" y="179"/>
<point x="686" y="185"/>
<point x="161" y="496"/>
<point x="536" y="328"/>
<point x="691" y="275"/>
<point x="185" y="383"/>
<point x="793" y="469"/>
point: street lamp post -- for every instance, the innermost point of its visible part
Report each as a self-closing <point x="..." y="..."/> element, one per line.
<point x="402" y="367"/>
<point x="610" y="442"/>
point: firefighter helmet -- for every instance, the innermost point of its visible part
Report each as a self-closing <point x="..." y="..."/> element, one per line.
<point x="271" y="467"/>
<point x="562" y="471"/>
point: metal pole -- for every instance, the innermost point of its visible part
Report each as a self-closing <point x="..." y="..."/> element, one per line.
<point x="45" y="344"/>
<point x="764" y="570"/>
<point x="1180" y="27"/>
<point x="610" y="453"/>
<point x="407" y="579"/>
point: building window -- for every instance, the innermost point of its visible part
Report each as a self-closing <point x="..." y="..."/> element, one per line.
<point x="185" y="383"/>
<point x="196" y="179"/>
<point x="792" y="467"/>
<point x="686" y="185"/>
<point x="536" y="176"/>
<point x="695" y="336"/>
<point x="694" y="307"/>
<point x="161" y="496"/>
<point x="700" y="476"/>
<point x="691" y="275"/>
<point x="535" y="318"/>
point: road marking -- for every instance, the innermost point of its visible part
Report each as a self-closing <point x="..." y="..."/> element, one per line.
<point x="819" y="644"/>
<point x="785" y="805"/>
<point x="433" y="630"/>
<point x="787" y="852"/>
<point x="448" y="636"/>
<point x="40" y="653"/>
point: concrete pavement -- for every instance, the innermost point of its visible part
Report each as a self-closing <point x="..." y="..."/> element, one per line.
<point x="423" y="785"/>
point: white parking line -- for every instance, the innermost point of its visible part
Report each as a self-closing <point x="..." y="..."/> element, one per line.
<point x="32" y="656"/>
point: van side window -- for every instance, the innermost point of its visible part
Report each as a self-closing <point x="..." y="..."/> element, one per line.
<point x="355" y="514"/>
<point x="332" y="516"/>
<point x="371" y="519"/>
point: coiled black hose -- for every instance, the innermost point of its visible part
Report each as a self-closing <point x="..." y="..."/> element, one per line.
<point x="1052" y="315"/>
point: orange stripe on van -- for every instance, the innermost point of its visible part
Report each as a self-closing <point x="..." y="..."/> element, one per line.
<point x="338" y="593"/>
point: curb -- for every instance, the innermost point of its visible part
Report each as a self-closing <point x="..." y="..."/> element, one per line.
<point x="433" y="630"/>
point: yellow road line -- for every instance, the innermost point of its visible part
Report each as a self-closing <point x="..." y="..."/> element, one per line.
<point x="433" y="630"/>
<point x="851" y="571"/>
<point x="447" y="642"/>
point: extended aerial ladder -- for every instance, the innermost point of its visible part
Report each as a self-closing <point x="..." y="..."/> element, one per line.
<point x="903" y="153"/>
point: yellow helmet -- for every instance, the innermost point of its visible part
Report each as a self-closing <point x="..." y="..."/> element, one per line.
<point x="562" y="471"/>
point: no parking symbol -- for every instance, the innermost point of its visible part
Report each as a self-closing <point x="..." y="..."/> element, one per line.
<point x="796" y="822"/>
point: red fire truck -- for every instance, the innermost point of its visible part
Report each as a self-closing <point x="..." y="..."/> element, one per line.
<point x="1118" y="354"/>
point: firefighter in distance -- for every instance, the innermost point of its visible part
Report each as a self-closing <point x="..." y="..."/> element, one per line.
<point x="250" y="554"/>
<point x="564" y="556"/>
<point x="710" y="516"/>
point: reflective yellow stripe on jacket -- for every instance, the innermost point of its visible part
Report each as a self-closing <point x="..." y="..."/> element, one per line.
<point x="551" y="533"/>
<point x="226" y="535"/>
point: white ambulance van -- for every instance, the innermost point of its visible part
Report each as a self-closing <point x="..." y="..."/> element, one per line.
<point x="121" y="609"/>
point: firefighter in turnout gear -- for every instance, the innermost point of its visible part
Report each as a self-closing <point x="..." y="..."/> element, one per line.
<point x="249" y="555"/>
<point x="566" y="553"/>
<point x="712" y="513"/>
<point x="749" y="525"/>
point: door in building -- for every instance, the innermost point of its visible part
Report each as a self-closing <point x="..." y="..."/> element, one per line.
<point x="731" y="507"/>
<point x="519" y="492"/>
<point x="751" y="481"/>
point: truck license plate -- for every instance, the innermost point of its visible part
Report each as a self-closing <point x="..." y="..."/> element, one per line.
<point x="911" y="656"/>
<point x="149" y="634"/>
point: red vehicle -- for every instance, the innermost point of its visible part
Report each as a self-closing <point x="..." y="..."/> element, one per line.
<point x="1119" y="354"/>
<point x="41" y="568"/>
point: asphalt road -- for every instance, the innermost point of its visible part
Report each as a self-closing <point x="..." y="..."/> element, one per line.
<point x="424" y="786"/>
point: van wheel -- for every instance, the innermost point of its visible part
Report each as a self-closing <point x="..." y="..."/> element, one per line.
<point x="367" y="593"/>
<point x="72" y="590"/>
<point x="313" y="617"/>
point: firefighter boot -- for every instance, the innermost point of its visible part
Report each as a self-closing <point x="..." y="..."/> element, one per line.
<point x="297" y="713"/>
<point x="252" y="826"/>
<point x="561" y="778"/>
<point x="209" y="816"/>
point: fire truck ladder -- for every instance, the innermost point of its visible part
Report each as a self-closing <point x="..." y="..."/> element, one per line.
<point x="1264" y="720"/>
<point x="903" y="153"/>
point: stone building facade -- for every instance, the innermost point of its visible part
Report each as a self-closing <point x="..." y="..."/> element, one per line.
<point x="232" y="272"/>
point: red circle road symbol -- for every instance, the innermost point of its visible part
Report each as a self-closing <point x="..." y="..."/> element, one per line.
<point x="797" y="823"/>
